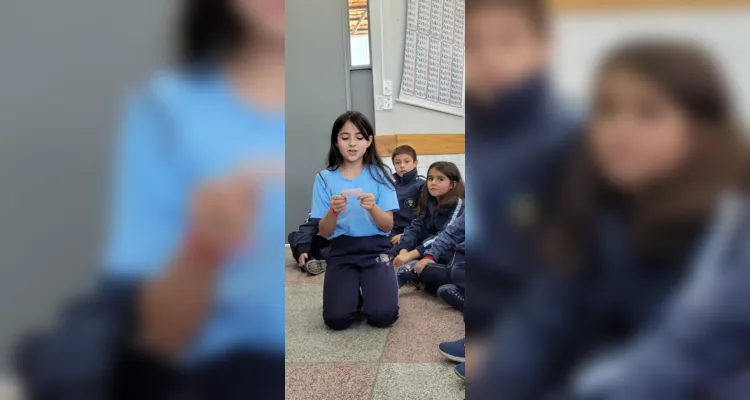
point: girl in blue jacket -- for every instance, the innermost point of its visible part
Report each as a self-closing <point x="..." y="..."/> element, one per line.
<point x="440" y="203"/>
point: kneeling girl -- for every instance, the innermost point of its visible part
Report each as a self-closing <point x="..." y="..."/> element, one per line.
<point x="355" y="198"/>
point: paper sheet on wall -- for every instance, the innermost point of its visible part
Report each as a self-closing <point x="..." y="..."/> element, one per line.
<point x="433" y="74"/>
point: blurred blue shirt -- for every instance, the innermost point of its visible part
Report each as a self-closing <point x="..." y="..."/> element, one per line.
<point x="354" y="221"/>
<point x="178" y="132"/>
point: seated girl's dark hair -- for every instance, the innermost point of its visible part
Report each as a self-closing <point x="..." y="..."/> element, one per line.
<point x="448" y="200"/>
<point x="660" y="219"/>
<point x="371" y="157"/>
<point x="205" y="30"/>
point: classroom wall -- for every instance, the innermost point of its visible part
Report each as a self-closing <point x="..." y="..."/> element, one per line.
<point x="387" y="36"/>
<point x="387" y="18"/>
<point x="582" y="37"/>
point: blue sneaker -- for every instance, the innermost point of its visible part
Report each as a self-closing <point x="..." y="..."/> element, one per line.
<point x="461" y="370"/>
<point x="454" y="351"/>
<point x="406" y="275"/>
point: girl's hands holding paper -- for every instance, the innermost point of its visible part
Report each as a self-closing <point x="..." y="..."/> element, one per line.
<point x="338" y="203"/>
<point x="367" y="200"/>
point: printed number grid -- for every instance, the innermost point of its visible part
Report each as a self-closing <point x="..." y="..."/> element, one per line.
<point x="434" y="51"/>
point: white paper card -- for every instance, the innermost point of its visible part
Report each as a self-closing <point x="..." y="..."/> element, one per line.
<point x="351" y="192"/>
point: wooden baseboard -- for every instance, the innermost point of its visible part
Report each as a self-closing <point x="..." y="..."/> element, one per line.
<point x="424" y="143"/>
<point x="594" y="5"/>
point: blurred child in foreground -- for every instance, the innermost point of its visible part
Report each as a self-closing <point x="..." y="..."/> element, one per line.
<point x="646" y="279"/>
<point x="517" y="135"/>
<point x="193" y="300"/>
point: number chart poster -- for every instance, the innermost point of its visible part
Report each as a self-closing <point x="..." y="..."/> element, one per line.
<point x="433" y="74"/>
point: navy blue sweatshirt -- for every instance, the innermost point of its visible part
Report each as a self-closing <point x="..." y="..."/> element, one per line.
<point x="422" y="231"/>
<point x="302" y="239"/>
<point x="679" y="323"/>
<point x="306" y="240"/>
<point x="408" y="189"/>
<point x="451" y="238"/>
<point x="518" y="146"/>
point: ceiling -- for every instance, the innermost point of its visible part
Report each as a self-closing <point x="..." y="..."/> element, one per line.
<point x="358" y="18"/>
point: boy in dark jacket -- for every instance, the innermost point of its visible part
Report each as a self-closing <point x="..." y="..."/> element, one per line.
<point x="408" y="187"/>
<point x="518" y="135"/>
<point x="308" y="248"/>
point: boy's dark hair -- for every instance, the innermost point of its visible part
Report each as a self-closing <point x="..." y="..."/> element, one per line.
<point x="371" y="157"/>
<point x="537" y="11"/>
<point x="404" y="149"/>
<point x="206" y="29"/>
<point x="448" y="200"/>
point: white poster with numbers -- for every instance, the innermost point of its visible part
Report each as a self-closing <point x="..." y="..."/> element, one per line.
<point x="433" y="74"/>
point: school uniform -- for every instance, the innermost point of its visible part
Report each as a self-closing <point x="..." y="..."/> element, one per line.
<point x="518" y="145"/>
<point x="359" y="254"/>
<point x="408" y="189"/>
<point x="448" y="281"/>
<point x="422" y="231"/>
<point x="307" y="240"/>
<point x="667" y="327"/>
<point x="452" y="238"/>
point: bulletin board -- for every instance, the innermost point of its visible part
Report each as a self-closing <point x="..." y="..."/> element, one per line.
<point x="433" y="73"/>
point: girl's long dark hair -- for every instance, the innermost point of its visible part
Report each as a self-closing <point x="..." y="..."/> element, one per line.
<point x="660" y="219"/>
<point x="206" y="29"/>
<point x="371" y="157"/>
<point x="448" y="200"/>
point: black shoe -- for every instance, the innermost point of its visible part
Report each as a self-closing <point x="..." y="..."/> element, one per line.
<point x="452" y="295"/>
<point x="406" y="275"/>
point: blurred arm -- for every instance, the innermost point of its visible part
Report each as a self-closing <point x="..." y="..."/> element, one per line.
<point x="699" y="345"/>
<point x="534" y="344"/>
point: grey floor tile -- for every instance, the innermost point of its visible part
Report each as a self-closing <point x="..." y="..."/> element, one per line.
<point x="309" y="340"/>
<point x="417" y="382"/>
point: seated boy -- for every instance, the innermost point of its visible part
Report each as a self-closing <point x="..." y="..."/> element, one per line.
<point x="308" y="248"/>
<point x="447" y="281"/>
<point x="408" y="187"/>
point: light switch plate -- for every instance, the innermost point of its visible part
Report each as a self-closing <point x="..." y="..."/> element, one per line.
<point x="387" y="102"/>
<point x="387" y="88"/>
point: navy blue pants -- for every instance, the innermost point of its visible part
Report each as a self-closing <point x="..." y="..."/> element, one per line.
<point x="458" y="270"/>
<point x="435" y="275"/>
<point x="354" y="263"/>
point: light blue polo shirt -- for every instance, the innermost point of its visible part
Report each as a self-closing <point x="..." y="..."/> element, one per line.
<point x="180" y="131"/>
<point x="354" y="221"/>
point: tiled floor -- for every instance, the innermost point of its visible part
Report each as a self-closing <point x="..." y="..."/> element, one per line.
<point x="365" y="363"/>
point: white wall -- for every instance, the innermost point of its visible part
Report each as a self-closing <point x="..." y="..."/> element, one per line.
<point x="425" y="161"/>
<point x="387" y="33"/>
<point x="582" y="38"/>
